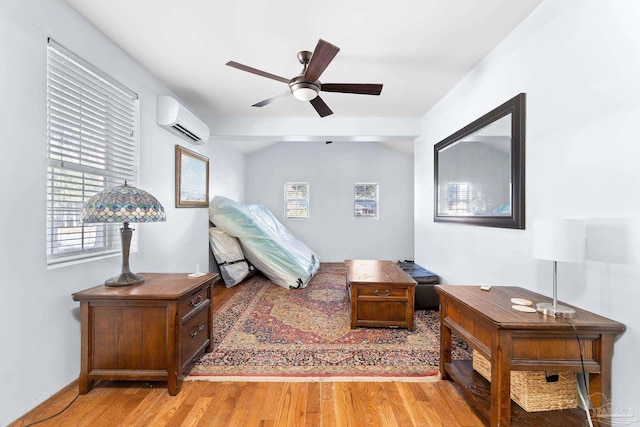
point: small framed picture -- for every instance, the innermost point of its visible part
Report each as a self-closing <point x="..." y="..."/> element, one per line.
<point x="192" y="179"/>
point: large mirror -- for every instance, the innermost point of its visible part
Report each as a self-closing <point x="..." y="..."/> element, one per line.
<point x="479" y="170"/>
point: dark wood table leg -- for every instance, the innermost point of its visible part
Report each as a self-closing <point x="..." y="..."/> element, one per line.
<point x="84" y="385"/>
<point x="501" y="355"/>
<point x="172" y="352"/>
<point x="411" y="308"/>
<point x="600" y="383"/>
<point x="445" y="344"/>
<point x="173" y="384"/>
<point x="209" y="347"/>
<point x="353" y="300"/>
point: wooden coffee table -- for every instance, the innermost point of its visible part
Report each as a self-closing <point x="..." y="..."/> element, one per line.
<point x="380" y="294"/>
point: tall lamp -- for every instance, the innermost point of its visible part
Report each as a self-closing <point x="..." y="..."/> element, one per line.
<point x="123" y="204"/>
<point x="558" y="240"/>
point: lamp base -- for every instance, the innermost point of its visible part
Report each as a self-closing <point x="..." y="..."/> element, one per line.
<point x="125" y="279"/>
<point x="548" y="309"/>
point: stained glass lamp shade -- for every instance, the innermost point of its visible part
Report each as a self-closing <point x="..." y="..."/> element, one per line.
<point x="123" y="204"/>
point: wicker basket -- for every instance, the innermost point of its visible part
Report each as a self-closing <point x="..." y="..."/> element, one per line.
<point x="530" y="389"/>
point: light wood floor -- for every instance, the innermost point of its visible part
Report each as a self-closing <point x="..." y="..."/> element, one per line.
<point x="246" y="404"/>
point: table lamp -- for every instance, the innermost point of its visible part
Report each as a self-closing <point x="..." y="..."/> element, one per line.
<point x="123" y="204"/>
<point x="558" y="240"/>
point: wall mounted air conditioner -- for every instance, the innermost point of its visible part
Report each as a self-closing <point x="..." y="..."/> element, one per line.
<point x="177" y="119"/>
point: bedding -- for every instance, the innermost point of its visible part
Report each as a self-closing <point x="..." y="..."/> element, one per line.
<point x="226" y="249"/>
<point x="265" y="242"/>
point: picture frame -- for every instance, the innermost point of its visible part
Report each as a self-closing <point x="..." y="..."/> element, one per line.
<point x="192" y="179"/>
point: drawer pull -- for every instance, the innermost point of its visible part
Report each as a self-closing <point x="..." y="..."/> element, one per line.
<point x="386" y="293"/>
<point x="197" y="331"/>
<point x="197" y="301"/>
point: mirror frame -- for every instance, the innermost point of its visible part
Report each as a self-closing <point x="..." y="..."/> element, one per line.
<point x="516" y="107"/>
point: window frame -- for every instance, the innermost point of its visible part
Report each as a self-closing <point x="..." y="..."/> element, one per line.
<point x="92" y="145"/>
<point x="376" y="200"/>
<point x="287" y="200"/>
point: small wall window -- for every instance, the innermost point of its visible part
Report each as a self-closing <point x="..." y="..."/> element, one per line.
<point x="296" y="200"/>
<point x="365" y="200"/>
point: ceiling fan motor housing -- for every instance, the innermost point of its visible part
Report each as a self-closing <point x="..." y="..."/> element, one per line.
<point x="304" y="57"/>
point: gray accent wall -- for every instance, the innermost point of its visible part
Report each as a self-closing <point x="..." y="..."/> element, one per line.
<point x="331" y="171"/>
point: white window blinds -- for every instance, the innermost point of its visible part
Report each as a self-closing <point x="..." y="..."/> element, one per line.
<point x="296" y="200"/>
<point x="365" y="200"/>
<point x="92" y="123"/>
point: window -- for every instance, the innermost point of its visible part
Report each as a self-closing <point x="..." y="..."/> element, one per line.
<point x="458" y="197"/>
<point x="296" y="200"/>
<point x="365" y="200"/>
<point x="92" y="124"/>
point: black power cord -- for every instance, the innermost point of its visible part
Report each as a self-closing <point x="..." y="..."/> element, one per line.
<point x="54" y="415"/>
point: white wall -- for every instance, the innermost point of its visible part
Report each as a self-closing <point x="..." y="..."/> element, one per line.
<point x="226" y="170"/>
<point x="331" y="171"/>
<point x="227" y="178"/>
<point x="40" y="332"/>
<point x="579" y="62"/>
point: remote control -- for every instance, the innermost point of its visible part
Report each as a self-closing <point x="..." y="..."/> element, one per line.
<point x="485" y="287"/>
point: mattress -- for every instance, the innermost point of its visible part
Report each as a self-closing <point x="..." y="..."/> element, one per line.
<point x="265" y="242"/>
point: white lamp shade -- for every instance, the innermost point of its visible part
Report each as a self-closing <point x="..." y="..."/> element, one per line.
<point x="559" y="239"/>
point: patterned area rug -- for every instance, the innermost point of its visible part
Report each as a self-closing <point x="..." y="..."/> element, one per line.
<point x="265" y="331"/>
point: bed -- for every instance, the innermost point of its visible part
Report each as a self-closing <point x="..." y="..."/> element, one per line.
<point x="265" y="242"/>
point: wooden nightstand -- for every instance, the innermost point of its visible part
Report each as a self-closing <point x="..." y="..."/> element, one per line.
<point x="150" y="331"/>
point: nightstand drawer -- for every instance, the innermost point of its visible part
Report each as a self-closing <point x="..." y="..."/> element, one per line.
<point x="195" y="334"/>
<point x="193" y="301"/>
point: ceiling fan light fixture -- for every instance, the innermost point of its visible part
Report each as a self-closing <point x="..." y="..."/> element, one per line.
<point x="304" y="90"/>
<point x="305" y="94"/>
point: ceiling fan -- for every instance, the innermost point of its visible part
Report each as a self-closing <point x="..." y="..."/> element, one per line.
<point x="306" y="85"/>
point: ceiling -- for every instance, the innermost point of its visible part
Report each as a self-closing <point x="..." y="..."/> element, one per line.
<point x="419" y="49"/>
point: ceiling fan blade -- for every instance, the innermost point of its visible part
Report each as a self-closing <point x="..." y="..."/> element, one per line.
<point x="322" y="108"/>
<point x="270" y="100"/>
<point x="362" y="89"/>
<point x="321" y="58"/>
<point x="256" y="71"/>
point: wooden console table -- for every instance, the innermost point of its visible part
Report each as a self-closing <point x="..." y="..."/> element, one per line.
<point x="380" y="294"/>
<point x="150" y="331"/>
<point x="513" y="340"/>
